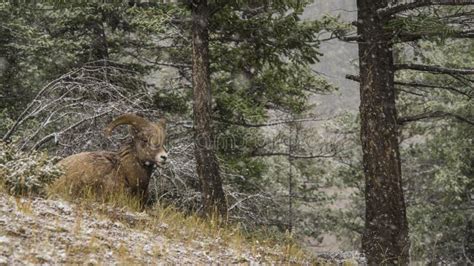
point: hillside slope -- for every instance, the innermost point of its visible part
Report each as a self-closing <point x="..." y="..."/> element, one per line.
<point x="48" y="231"/>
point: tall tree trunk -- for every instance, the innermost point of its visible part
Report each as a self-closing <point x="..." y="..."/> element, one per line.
<point x="207" y="165"/>
<point x="99" y="45"/>
<point x="469" y="240"/>
<point x="385" y="237"/>
<point x="100" y="49"/>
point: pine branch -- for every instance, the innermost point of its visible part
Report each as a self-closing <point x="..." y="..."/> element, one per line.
<point x="433" y="114"/>
<point x="436" y="69"/>
<point x="414" y="36"/>
<point x="420" y="85"/>
<point x="392" y="10"/>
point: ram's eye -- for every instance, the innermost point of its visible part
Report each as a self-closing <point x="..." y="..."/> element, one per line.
<point x="144" y="140"/>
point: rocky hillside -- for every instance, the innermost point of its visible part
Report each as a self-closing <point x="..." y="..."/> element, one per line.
<point x="36" y="231"/>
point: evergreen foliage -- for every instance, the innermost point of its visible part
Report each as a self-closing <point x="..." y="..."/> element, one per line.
<point x="260" y="61"/>
<point x="438" y="161"/>
<point x="436" y="135"/>
<point x="261" y="54"/>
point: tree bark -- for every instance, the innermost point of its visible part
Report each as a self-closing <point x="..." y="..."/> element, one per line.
<point x="207" y="166"/>
<point x="385" y="237"/>
<point x="469" y="241"/>
<point x="100" y="49"/>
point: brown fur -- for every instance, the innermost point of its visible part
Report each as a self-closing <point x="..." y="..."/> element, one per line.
<point x="104" y="172"/>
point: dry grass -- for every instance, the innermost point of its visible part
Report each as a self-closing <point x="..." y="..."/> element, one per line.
<point x="211" y="235"/>
<point x="24" y="206"/>
<point x="79" y="233"/>
<point x="193" y="232"/>
<point x="88" y="195"/>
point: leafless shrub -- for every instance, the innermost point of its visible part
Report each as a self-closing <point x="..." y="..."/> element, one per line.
<point x="68" y="115"/>
<point x="71" y="110"/>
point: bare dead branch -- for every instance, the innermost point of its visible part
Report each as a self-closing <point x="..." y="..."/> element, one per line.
<point x="58" y="134"/>
<point x="84" y="94"/>
<point x="24" y="115"/>
<point x="356" y="38"/>
<point x="353" y="77"/>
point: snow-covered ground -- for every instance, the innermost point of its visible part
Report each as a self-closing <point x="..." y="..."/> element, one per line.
<point x="40" y="231"/>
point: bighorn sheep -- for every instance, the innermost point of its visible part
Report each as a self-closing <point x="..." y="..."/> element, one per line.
<point x="130" y="168"/>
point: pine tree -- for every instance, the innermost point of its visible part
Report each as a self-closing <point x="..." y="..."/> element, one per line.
<point x="385" y="238"/>
<point x="213" y="197"/>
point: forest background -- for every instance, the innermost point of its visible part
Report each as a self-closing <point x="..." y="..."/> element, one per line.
<point x="284" y="82"/>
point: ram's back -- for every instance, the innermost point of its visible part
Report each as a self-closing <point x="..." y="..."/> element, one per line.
<point x="88" y="172"/>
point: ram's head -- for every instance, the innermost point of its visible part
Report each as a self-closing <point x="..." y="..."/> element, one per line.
<point x="148" y="138"/>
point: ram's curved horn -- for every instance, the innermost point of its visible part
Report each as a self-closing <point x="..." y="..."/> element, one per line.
<point x="127" y="119"/>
